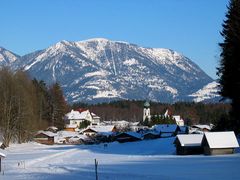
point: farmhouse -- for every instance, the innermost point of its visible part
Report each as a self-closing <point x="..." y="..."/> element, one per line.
<point x="215" y="143"/>
<point x="99" y="130"/>
<point x="45" y="137"/>
<point x="128" y="137"/>
<point x="167" y="130"/>
<point x="187" y="144"/>
<point x="151" y="135"/>
<point x="77" y="117"/>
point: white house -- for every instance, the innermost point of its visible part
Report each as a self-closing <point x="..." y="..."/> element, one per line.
<point x="77" y="117"/>
<point x="179" y="121"/>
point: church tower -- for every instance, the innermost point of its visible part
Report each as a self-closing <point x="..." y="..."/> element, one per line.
<point x="146" y="111"/>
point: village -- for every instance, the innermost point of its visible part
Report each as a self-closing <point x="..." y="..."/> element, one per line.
<point x="195" y="139"/>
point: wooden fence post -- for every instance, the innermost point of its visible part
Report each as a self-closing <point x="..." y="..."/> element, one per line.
<point x="96" y="165"/>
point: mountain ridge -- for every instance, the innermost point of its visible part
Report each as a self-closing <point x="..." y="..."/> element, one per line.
<point x="100" y="70"/>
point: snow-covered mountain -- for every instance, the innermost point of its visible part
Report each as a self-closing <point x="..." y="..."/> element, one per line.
<point x="7" y="57"/>
<point x="207" y="93"/>
<point x="98" y="70"/>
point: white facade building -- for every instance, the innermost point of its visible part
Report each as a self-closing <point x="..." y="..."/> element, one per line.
<point x="77" y="117"/>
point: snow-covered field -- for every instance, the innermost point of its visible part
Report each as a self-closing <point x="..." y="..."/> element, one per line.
<point x="153" y="159"/>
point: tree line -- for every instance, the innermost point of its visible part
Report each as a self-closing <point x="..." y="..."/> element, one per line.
<point x="131" y="110"/>
<point x="28" y="105"/>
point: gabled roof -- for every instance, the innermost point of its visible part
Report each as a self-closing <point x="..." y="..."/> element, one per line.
<point x="221" y="139"/>
<point x="165" y="127"/>
<point x="47" y="133"/>
<point x="76" y="115"/>
<point x="133" y="134"/>
<point x="2" y="155"/>
<point x="200" y="126"/>
<point x="100" y="129"/>
<point x="190" y="139"/>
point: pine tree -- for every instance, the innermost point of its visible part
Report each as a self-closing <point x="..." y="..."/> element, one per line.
<point x="58" y="106"/>
<point x="229" y="69"/>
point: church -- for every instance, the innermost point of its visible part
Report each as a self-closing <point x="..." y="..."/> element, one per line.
<point x="147" y="115"/>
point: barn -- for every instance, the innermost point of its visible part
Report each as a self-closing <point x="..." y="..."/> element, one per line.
<point x="187" y="144"/>
<point x="45" y="137"/>
<point x="128" y="137"/>
<point x="215" y="143"/>
<point x="151" y="135"/>
<point x="167" y="130"/>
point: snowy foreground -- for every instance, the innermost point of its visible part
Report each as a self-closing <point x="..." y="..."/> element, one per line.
<point x="153" y="159"/>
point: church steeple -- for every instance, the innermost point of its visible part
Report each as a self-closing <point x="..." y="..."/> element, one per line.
<point x="146" y="111"/>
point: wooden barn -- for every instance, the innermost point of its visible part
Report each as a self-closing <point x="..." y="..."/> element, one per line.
<point x="151" y="135"/>
<point x="128" y="137"/>
<point x="215" y="143"/>
<point x="45" y="137"/>
<point x="167" y="130"/>
<point x="187" y="144"/>
<point x="99" y="130"/>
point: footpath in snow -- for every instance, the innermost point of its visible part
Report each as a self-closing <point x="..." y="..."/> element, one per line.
<point x="143" y="160"/>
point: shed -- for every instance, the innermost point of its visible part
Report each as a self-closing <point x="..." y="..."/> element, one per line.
<point x="45" y="137"/>
<point x="128" y="137"/>
<point x="215" y="143"/>
<point x="187" y="144"/>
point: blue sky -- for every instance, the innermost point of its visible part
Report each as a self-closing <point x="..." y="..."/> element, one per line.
<point x="190" y="27"/>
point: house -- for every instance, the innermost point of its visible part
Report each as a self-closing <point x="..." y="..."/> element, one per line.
<point x="52" y="129"/>
<point x="215" y="143"/>
<point x="45" y="137"/>
<point x="166" y="130"/>
<point x="151" y="135"/>
<point x="179" y="121"/>
<point x="71" y="127"/>
<point x="200" y="129"/>
<point x="77" y="117"/>
<point x="128" y="137"/>
<point x="187" y="144"/>
<point x="99" y="130"/>
<point x="120" y="125"/>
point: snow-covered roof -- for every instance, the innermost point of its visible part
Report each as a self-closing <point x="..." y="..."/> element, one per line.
<point x="94" y="116"/>
<point x="221" y="139"/>
<point x="48" y="133"/>
<point x="67" y="134"/>
<point x="134" y="134"/>
<point x="117" y="123"/>
<point x="71" y="125"/>
<point x="165" y="127"/>
<point x="2" y="155"/>
<point x="78" y="137"/>
<point x="151" y="132"/>
<point x="190" y="139"/>
<point x="53" y="128"/>
<point x="75" y="115"/>
<point x="200" y="126"/>
<point x="100" y="129"/>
